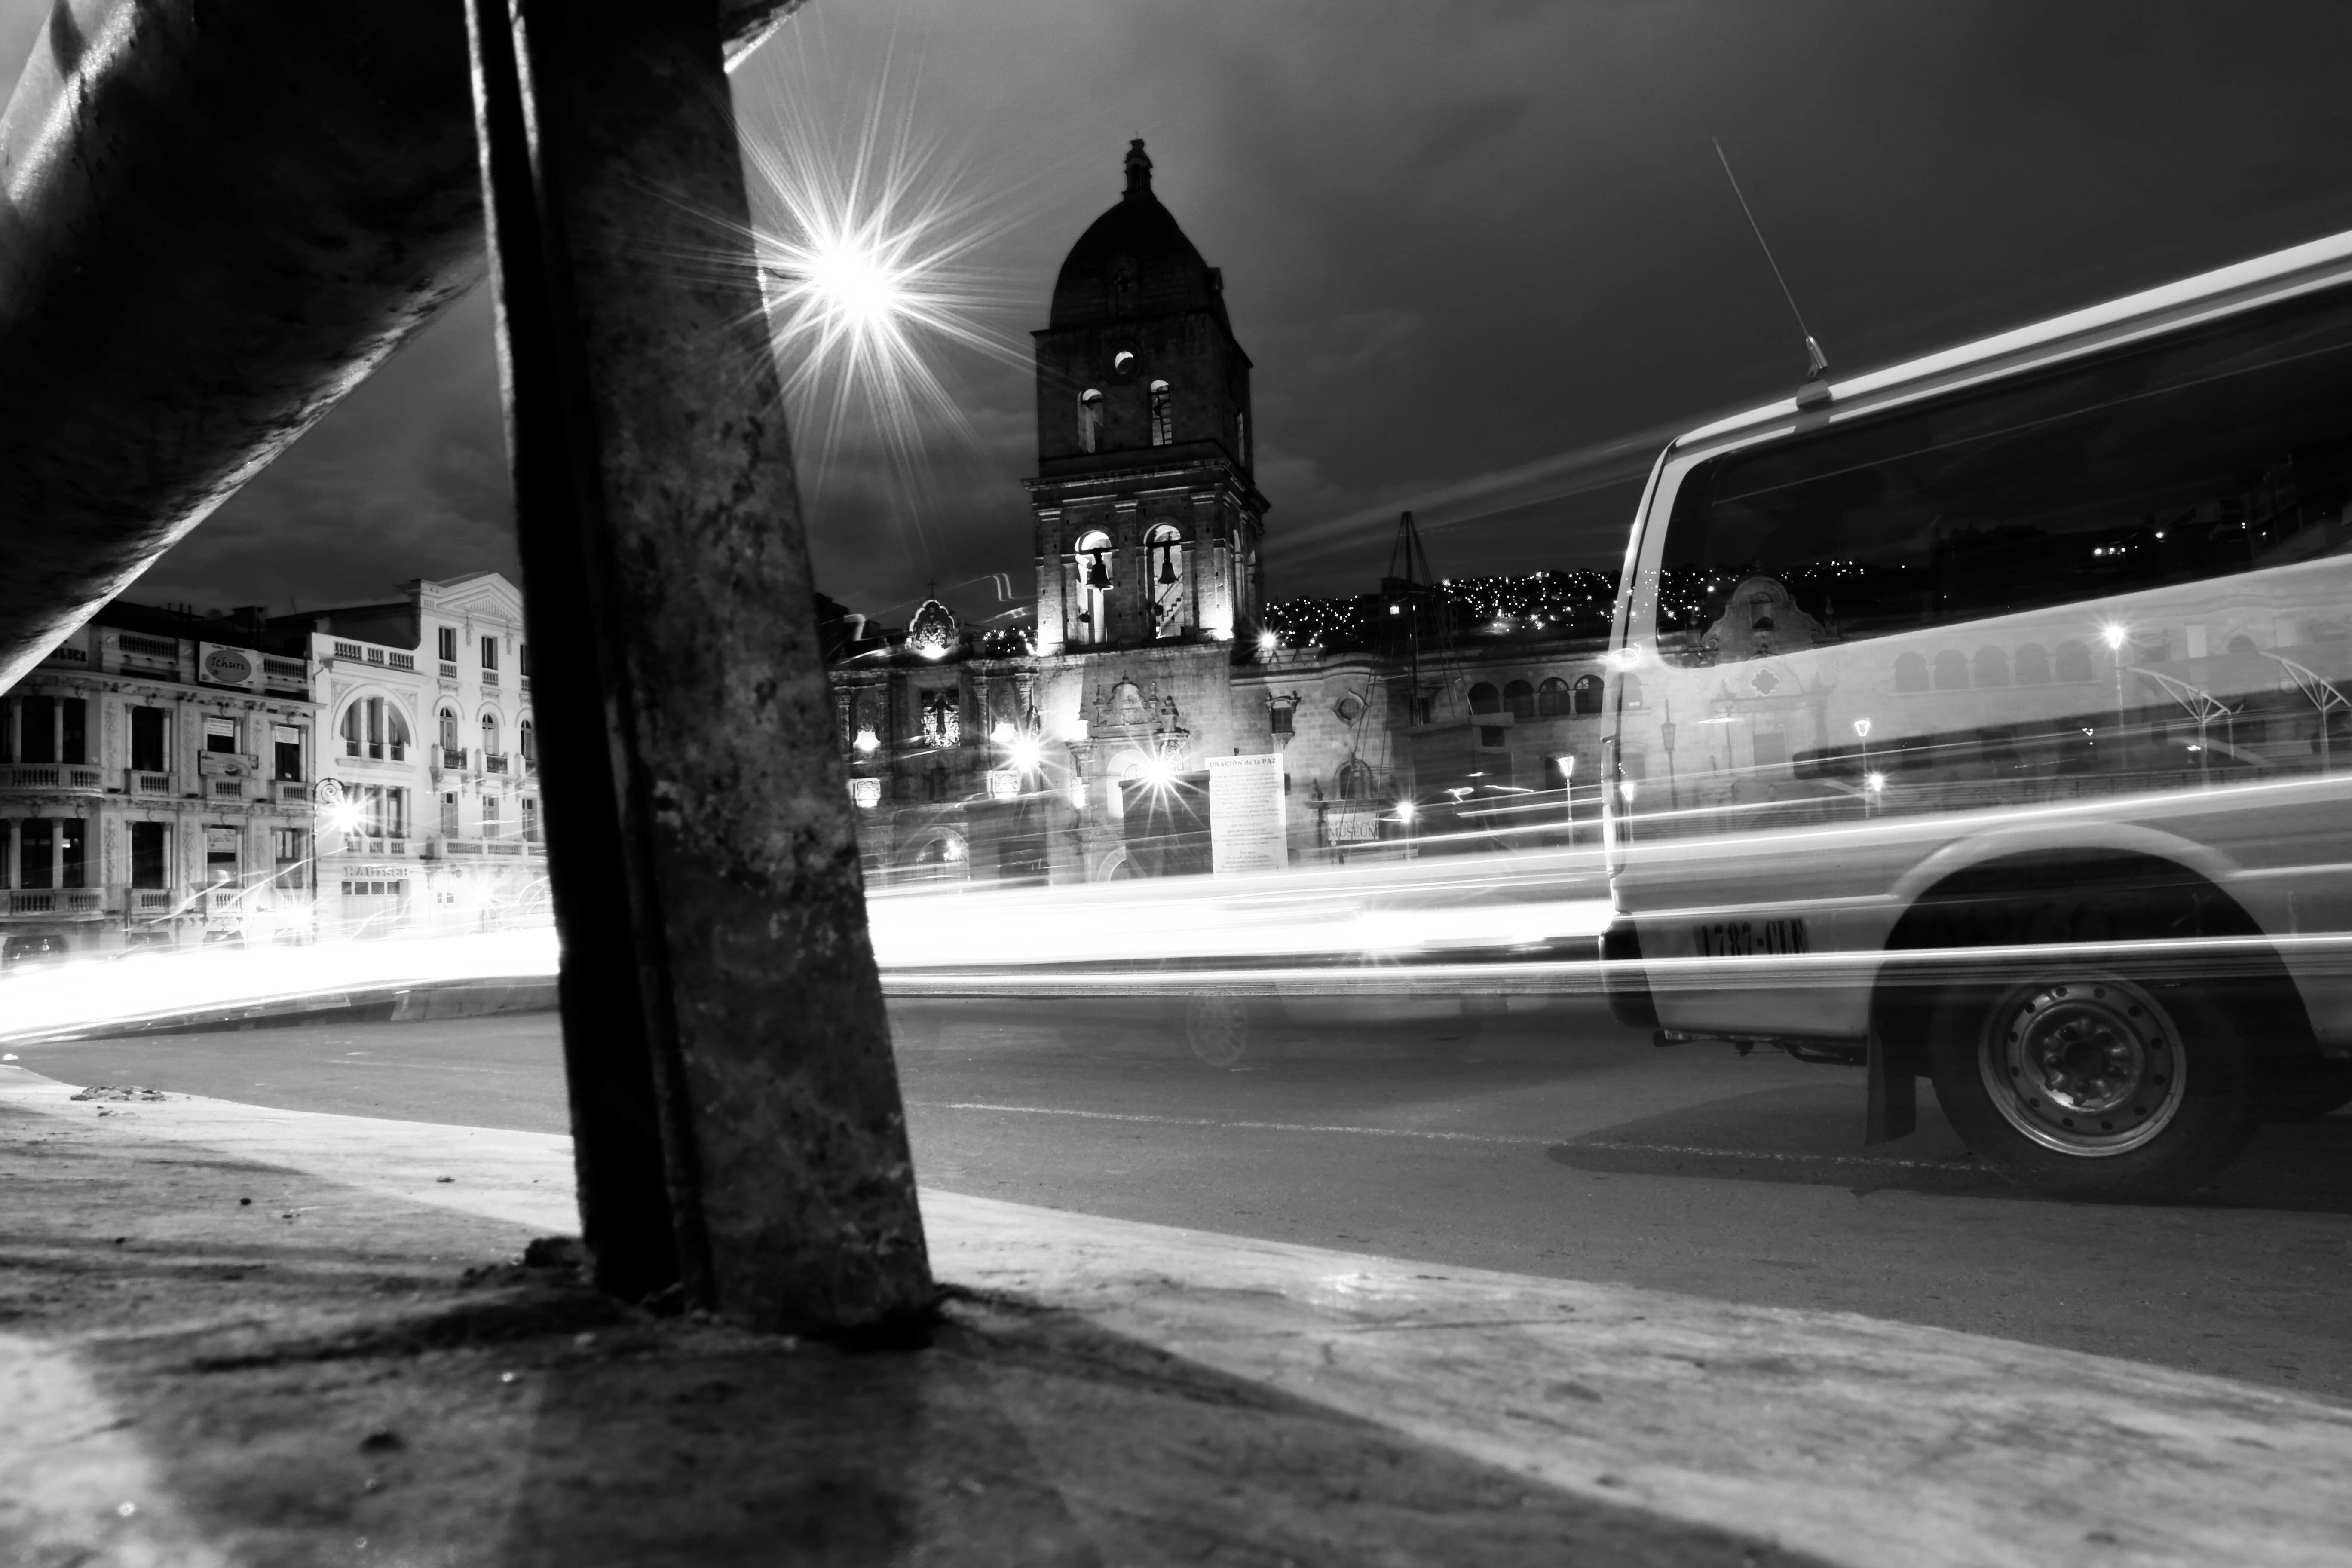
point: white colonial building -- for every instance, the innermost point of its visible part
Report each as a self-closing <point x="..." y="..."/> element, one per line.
<point x="432" y="761"/>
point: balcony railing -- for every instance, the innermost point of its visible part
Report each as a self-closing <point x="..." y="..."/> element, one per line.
<point x="55" y="902"/>
<point x="139" y="781"/>
<point x="494" y="761"/>
<point x="153" y="900"/>
<point x="448" y="669"/>
<point x="228" y="789"/>
<point x="51" y="776"/>
<point x="290" y="792"/>
<point x="491" y="680"/>
<point x="453" y="757"/>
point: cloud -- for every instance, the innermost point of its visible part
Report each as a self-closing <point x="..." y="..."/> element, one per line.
<point x="406" y="478"/>
<point x="1469" y="247"/>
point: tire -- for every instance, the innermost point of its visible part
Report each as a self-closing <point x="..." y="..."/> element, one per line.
<point x="2077" y="1079"/>
<point x="1217" y="1028"/>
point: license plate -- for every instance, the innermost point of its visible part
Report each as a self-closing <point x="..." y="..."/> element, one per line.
<point x="1748" y="939"/>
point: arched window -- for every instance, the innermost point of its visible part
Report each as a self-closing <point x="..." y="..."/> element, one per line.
<point x="1911" y="672"/>
<point x="1355" y="780"/>
<point x="2243" y="644"/>
<point x="527" y="737"/>
<point x="1163" y="428"/>
<point x="1993" y="667"/>
<point x="2034" y="665"/>
<point x="1587" y="694"/>
<point x="2074" y="661"/>
<point x="1485" y="699"/>
<point x="489" y="734"/>
<point x="1090" y="420"/>
<point x="1090" y="560"/>
<point x="1163" y="558"/>
<point x="1520" y="699"/>
<point x="1631" y="692"/>
<point x="1551" y="697"/>
<point x="373" y="728"/>
<point x="1951" y="670"/>
<point x="448" y="728"/>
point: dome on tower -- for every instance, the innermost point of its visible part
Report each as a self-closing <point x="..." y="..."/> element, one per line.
<point x="1134" y="261"/>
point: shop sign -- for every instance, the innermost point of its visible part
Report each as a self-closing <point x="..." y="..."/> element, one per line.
<point x="220" y="666"/>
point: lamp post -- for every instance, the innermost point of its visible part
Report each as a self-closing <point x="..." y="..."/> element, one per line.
<point x="2117" y="638"/>
<point x="1674" y="785"/>
<point x="1862" y="733"/>
<point x="1566" y="763"/>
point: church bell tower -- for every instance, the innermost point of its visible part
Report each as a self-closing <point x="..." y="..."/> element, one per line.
<point x="1149" y="522"/>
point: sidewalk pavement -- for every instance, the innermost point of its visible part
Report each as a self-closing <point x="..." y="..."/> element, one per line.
<point x="238" y="1335"/>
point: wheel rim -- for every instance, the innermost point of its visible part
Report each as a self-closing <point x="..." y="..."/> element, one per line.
<point x="2085" y="1063"/>
<point x="1218" y="1030"/>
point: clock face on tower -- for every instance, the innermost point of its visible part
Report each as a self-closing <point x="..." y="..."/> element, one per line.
<point x="1126" y="365"/>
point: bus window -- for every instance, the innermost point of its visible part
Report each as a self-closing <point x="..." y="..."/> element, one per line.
<point x="2217" y="452"/>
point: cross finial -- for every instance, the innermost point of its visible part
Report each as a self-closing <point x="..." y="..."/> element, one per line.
<point x="1138" y="169"/>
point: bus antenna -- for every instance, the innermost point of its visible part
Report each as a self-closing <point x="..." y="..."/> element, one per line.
<point x="1816" y="364"/>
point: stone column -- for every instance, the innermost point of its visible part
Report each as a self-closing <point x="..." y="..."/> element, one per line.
<point x="737" y="1111"/>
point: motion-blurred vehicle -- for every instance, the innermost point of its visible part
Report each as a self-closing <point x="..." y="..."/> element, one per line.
<point x="1980" y="718"/>
<point x="22" y="951"/>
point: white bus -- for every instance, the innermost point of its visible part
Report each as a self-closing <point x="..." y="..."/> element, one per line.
<point x="1989" y="719"/>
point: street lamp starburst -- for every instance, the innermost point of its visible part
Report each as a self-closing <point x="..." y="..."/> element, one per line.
<point x="866" y="237"/>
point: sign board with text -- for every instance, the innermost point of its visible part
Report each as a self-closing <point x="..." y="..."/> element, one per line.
<point x="219" y="665"/>
<point x="1245" y="825"/>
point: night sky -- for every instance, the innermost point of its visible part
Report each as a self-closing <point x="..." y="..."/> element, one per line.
<point x="1481" y="254"/>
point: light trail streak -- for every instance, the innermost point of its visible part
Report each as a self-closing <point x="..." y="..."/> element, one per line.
<point x="39" y="999"/>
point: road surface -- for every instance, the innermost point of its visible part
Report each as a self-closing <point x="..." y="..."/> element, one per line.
<point x="1550" y="1141"/>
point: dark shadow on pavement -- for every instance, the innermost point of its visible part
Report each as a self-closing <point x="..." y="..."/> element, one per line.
<point x="321" y="1374"/>
<point x="1813" y="1134"/>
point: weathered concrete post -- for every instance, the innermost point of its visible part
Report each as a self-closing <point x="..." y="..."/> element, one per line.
<point x="723" y="1025"/>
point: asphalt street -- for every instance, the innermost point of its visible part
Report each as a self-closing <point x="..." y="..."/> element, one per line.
<point x="1547" y="1141"/>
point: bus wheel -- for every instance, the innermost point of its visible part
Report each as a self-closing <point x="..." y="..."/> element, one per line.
<point x="1217" y="1028"/>
<point x="2080" y="1082"/>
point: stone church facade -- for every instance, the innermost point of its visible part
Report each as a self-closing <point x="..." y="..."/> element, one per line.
<point x="1086" y="758"/>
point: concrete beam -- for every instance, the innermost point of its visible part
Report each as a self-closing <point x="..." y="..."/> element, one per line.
<point x="723" y="1022"/>
<point x="216" y="219"/>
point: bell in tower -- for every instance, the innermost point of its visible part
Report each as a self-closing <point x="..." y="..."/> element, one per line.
<point x="1149" y="521"/>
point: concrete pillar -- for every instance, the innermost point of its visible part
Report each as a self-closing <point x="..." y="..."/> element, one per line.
<point x="725" y="1039"/>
